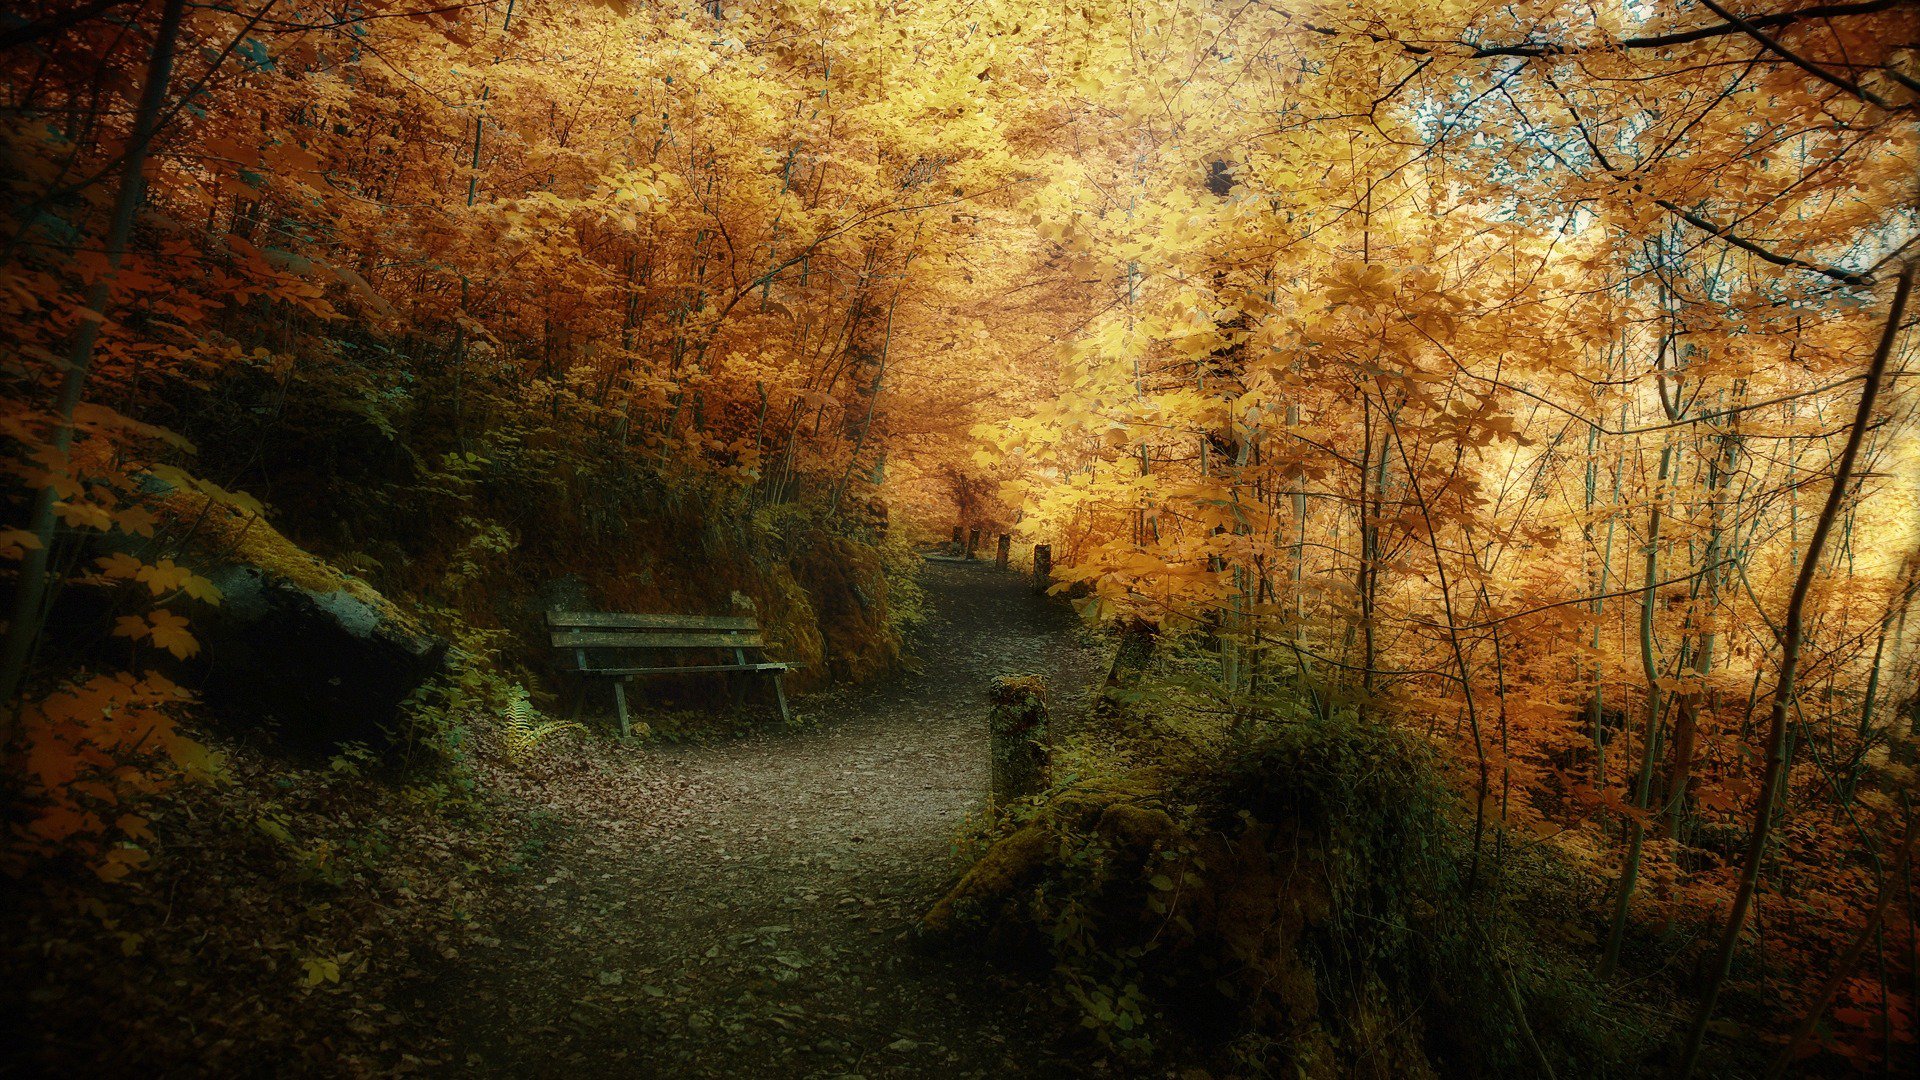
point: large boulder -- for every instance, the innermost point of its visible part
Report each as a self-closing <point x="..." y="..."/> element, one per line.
<point x="297" y="649"/>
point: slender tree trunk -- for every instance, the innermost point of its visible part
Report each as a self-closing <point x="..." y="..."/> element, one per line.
<point x="873" y="396"/>
<point x="30" y="595"/>
<point x="1460" y="661"/>
<point x="1636" y="831"/>
<point x="1783" y="692"/>
<point x="1687" y="704"/>
<point x="1598" y="706"/>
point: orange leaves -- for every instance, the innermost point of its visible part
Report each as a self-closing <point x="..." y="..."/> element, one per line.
<point x="15" y="543"/>
<point x="101" y="420"/>
<point x="1733" y="795"/>
<point x="83" y="515"/>
<point x="359" y="287"/>
<point x="232" y="151"/>
<point x="87" y="753"/>
<point x="135" y="520"/>
<point x="117" y="863"/>
<point x="165" y="629"/>
<point x="160" y="578"/>
<point x="170" y="633"/>
<point x="1608" y="800"/>
<point x="163" y="576"/>
<point x="288" y="158"/>
<point x="120" y="565"/>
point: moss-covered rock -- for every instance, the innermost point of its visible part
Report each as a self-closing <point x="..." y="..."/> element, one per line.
<point x="296" y="647"/>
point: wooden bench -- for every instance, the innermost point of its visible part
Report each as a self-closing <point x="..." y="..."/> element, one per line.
<point x="601" y="644"/>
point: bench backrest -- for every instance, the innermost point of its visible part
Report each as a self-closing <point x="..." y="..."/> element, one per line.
<point x="615" y="630"/>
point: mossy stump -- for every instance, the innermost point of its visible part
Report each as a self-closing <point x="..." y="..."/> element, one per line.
<point x="1017" y="737"/>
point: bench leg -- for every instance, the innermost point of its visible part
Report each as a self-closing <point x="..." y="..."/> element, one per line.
<point x="739" y="682"/>
<point x="780" y="695"/>
<point x="620" y="704"/>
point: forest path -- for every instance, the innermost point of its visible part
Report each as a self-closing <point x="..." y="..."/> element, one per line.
<point x="749" y="915"/>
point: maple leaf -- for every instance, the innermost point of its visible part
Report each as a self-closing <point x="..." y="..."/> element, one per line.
<point x="135" y="520"/>
<point x="173" y="477"/>
<point x="120" y="862"/>
<point x="119" y="565"/>
<point x="163" y="577"/>
<point x="84" y="515"/>
<point x="15" y="543"/>
<point x="170" y="633"/>
<point x="135" y="826"/>
<point x="1362" y="285"/>
<point x="201" y="589"/>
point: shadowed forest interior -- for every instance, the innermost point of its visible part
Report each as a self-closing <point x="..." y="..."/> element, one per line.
<point x="856" y="538"/>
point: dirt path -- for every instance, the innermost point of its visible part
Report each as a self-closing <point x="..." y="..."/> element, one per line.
<point x="748" y="915"/>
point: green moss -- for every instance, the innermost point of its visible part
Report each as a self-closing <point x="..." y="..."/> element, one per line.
<point x="230" y="535"/>
<point x="1006" y="866"/>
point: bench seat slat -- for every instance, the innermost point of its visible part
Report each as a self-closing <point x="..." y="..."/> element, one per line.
<point x="690" y="669"/>
<point x="656" y="639"/>
<point x="614" y="620"/>
<point x="577" y="632"/>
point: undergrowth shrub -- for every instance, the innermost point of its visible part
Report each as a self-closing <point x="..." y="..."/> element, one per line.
<point x="906" y="597"/>
<point x="1289" y="902"/>
<point x="462" y="491"/>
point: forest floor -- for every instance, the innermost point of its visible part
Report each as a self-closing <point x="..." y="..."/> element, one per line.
<point x="746" y="907"/>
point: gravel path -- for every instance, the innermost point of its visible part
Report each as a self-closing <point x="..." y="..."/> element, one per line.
<point x="749" y="915"/>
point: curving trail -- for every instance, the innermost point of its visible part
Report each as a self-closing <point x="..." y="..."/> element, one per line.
<point x="749" y="916"/>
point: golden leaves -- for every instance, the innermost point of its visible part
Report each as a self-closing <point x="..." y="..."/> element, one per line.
<point x="165" y="629"/>
<point x="83" y="515"/>
<point x="160" y="578"/>
<point x="1363" y="285"/>
<point x="15" y="543"/>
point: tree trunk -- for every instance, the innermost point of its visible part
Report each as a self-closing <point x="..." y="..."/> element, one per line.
<point x="1783" y="692"/>
<point x="1636" y="831"/>
<point x="1687" y="704"/>
<point x="30" y="595"/>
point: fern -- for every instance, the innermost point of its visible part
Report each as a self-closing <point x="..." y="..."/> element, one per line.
<point x="523" y="728"/>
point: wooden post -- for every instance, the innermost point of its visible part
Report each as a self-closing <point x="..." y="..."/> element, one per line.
<point x="580" y="692"/>
<point x="957" y="538"/>
<point x="1135" y="652"/>
<point x="1006" y="549"/>
<point x="1017" y="737"/>
<point x="620" y="706"/>
<point x="1042" y="567"/>
<point x="973" y="542"/>
<point x="780" y="695"/>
